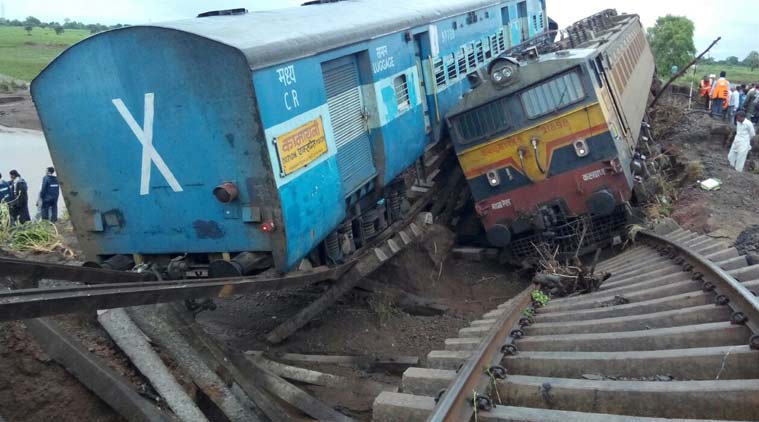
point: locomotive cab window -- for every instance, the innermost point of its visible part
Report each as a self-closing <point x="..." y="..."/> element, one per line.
<point x="483" y="121"/>
<point x="401" y="92"/>
<point x="555" y="94"/>
<point x="597" y="66"/>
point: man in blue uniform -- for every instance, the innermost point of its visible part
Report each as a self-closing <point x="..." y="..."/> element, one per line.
<point x="18" y="206"/>
<point x="5" y="190"/>
<point x="49" y="196"/>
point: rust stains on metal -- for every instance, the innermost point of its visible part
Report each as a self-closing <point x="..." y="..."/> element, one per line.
<point x="207" y="229"/>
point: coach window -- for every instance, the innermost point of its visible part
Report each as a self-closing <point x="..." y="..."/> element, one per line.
<point x="401" y="92"/>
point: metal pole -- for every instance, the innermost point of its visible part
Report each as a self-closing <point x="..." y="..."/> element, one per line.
<point x="690" y="95"/>
<point x="680" y="73"/>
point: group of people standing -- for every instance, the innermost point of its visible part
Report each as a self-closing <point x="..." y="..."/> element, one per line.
<point x="725" y="101"/>
<point x="738" y="105"/>
<point x="15" y="194"/>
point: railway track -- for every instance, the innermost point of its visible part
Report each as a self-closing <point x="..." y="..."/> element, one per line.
<point x="672" y="334"/>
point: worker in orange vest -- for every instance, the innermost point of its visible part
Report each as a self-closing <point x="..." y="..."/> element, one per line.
<point x="720" y="93"/>
<point x="706" y="86"/>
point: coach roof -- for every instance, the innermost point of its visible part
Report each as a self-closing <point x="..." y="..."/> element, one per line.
<point x="271" y="37"/>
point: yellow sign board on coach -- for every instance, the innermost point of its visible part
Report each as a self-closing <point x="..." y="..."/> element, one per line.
<point x="299" y="147"/>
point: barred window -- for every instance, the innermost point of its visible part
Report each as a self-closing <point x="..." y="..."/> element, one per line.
<point x="553" y="95"/>
<point x="494" y="45"/>
<point x="471" y="58"/>
<point x="437" y="64"/>
<point x="461" y="58"/>
<point x="501" y="41"/>
<point x="401" y="92"/>
<point x="451" y="67"/>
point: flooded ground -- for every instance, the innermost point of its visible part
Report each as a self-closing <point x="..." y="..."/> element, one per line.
<point x="26" y="151"/>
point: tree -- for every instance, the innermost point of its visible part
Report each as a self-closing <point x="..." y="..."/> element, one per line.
<point x="32" y="21"/>
<point x="58" y="29"/>
<point x="28" y="29"/>
<point x="671" y="40"/>
<point x="733" y="61"/>
<point x="752" y="60"/>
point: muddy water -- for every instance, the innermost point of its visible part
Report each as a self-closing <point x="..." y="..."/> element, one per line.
<point x="26" y="151"/>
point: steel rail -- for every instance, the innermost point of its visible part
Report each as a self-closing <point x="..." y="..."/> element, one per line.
<point x="740" y="298"/>
<point x="34" y="303"/>
<point x="12" y="267"/>
<point x="457" y="404"/>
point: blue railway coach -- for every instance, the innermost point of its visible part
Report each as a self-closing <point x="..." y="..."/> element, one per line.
<point x="260" y="133"/>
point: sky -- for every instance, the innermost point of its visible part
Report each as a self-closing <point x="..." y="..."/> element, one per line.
<point x="734" y="24"/>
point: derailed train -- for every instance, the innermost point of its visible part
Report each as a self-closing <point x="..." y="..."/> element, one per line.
<point x="548" y="144"/>
<point x="260" y="136"/>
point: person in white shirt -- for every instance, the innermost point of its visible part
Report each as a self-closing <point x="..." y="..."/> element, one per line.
<point x="744" y="131"/>
<point x="733" y="102"/>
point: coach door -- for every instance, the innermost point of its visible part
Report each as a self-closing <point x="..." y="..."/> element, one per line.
<point x="349" y="122"/>
<point x="523" y="22"/>
<point x="422" y="79"/>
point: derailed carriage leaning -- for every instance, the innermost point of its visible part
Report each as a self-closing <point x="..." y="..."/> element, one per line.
<point x="547" y="143"/>
<point x="238" y="141"/>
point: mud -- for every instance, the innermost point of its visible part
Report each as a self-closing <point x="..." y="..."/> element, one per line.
<point x="34" y="388"/>
<point x="723" y="213"/>
<point x="17" y="110"/>
<point x="369" y="321"/>
<point x="748" y="241"/>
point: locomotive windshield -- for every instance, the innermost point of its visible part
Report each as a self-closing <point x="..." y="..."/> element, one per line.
<point x="552" y="95"/>
<point x="483" y="121"/>
<point x="548" y="96"/>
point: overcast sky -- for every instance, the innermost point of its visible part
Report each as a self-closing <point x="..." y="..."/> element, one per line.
<point x="738" y="20"/>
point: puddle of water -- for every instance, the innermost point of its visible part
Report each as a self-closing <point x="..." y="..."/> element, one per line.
<point x="26" y="151"/>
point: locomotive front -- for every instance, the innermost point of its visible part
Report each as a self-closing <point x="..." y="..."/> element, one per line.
<point x="542" y="162"/>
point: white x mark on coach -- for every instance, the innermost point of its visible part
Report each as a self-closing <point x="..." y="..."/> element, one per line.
<point x="145" y="136"/>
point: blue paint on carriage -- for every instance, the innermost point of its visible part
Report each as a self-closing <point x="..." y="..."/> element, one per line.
<point x="312" y="208"/>
<point x="212" y="129"/>
<point x="198" y="132"/>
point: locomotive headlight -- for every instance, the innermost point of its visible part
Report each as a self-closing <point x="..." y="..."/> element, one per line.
<point x="493" y="178"/>
<point x="503" y="71"/>
<point x="581" y="148"/>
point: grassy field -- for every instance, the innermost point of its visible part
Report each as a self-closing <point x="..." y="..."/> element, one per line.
<point x="735" y="74"/>
<point x="23" y="56"/>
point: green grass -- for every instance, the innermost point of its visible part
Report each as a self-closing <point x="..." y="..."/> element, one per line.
<point x="735" y="74"/>
<point x="23" y="56"/>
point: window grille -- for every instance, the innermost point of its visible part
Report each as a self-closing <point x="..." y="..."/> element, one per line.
<point x="401" y="92"/>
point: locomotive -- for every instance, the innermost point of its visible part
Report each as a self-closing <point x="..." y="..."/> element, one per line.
<point x="547" y="143"/>
<point x="235" y="141"/>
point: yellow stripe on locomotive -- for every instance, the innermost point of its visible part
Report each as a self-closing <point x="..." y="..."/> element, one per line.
<point x="502" y="152"/>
